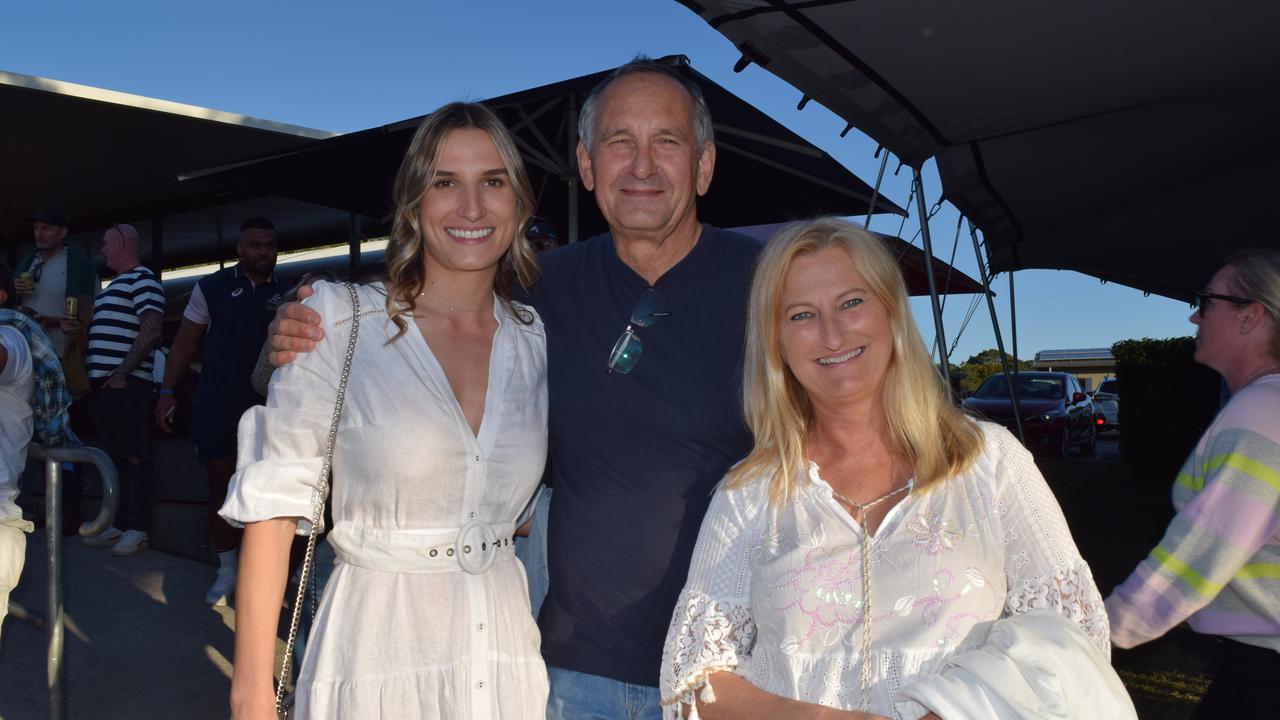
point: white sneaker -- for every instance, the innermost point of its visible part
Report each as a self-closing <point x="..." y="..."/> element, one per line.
<point x="224" y="586"/>
<point x="104" y="539"/>
<point x="131" y="543"/>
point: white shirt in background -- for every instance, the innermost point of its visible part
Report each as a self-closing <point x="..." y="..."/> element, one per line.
<point x="50" y="297"/>
<point x="17" y="382"/>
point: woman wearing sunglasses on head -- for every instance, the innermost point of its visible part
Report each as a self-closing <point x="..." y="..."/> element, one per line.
<point x="878" y="553"/>
<point x="439" y="447"/>
<point x="1218" y="565"/>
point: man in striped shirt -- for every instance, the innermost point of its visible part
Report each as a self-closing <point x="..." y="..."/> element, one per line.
<point x="127" y="317"/>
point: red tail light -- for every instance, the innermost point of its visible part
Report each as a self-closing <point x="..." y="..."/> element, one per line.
<point x="1099" y="421"/>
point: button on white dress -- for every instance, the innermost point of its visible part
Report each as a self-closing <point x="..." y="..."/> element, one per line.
<point x="426" y="614"/>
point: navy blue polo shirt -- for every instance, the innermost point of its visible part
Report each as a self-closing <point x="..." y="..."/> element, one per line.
<point x="635" y="457"/>
<point x="239" y="314"/>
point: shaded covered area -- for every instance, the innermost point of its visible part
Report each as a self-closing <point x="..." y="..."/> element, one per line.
<point x="106" y="157"/>
<point x="1131" y="141"/>
<point x="764" y="172"/>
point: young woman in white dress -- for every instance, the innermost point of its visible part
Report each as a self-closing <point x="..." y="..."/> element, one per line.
<point x="878" y="554"/>
<point x="441" y="444"/>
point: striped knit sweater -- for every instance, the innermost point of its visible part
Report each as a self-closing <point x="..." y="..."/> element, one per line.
<point x="1218" y="565"/>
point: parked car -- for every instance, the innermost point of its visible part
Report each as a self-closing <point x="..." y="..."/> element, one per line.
<point x="1106" y="402"/>
<point x="1057" y="415"/>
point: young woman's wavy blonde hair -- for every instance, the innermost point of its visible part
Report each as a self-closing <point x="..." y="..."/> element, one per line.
<point x="935" y="436"/>
<point x="406" y="247"/>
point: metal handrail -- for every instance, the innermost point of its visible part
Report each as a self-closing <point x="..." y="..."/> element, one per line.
<point x="54" y="457"/>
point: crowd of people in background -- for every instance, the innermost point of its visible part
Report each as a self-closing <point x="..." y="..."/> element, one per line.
<point x="764" y="502"/>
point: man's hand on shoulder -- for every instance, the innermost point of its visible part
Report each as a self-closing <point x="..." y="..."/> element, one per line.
<point x="296" y="329"/>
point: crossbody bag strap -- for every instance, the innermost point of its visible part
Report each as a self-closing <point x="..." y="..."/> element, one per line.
<point x="317" y="513"/>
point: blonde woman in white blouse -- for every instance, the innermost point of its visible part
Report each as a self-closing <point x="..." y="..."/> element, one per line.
<point x="441" y="444"/>
<point x="879" y="553"/>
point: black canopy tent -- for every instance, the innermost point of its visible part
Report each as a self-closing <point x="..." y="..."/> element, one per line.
<point x="764" y="172"/>
<point x="1133" y="141"/>
<point x="106" y="156"/>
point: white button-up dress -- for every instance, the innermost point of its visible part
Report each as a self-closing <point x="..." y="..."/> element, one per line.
<point x="426" y="614"/>
<point x="775" y="593"/>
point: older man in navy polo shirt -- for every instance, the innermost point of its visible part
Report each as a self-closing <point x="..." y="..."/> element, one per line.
<point x="645" y="329"/>
<point x="230" y="309"/>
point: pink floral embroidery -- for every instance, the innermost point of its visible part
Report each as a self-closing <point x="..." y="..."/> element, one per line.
<point x="826" y="589"/>
<point x="933" y="535"/>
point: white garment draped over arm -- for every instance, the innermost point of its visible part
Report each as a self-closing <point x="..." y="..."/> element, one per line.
<point x="280" y="445"/>
<point x="1020" y="669"/>
<point x="711" y="628"/>
<point x="1034" y="666"/>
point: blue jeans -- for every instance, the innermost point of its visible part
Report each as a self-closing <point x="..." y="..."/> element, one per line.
<point x="579" y="696"/>
<point x="532" y="551"/>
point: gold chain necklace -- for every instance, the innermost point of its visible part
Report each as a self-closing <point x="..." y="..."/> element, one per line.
<point x="862" y="508"/>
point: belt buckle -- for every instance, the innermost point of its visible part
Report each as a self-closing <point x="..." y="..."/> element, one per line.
<point x="463" y="547"/>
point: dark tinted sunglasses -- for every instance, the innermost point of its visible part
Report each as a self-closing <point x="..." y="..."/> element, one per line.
<point x="1202" y="297"/>
<point x="650" y="308"/>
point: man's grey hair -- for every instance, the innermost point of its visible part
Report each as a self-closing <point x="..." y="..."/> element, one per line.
<point x="703" y="132"/>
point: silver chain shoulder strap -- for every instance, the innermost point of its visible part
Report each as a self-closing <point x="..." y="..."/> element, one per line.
<point x="317" y="513"/>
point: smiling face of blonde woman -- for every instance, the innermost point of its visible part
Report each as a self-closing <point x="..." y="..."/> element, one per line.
<point x="834" y="333"/>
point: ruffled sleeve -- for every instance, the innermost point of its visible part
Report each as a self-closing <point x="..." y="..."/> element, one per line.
<point x="712" y="628"/>
<point x="280" y="445"/>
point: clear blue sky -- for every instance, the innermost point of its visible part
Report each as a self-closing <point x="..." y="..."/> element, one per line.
<point x="344" y="66"/>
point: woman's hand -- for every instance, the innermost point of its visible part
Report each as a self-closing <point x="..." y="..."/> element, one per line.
<point x="739" y="699"/>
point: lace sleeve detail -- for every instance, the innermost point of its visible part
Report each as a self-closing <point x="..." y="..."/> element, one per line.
<point x="1042" y="564"/>
<point x="712" y="628"/>
<point x="1073" y="594"/>
<point x="706" y="636"/>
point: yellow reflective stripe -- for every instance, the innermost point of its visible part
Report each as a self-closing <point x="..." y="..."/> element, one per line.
<point x="1235" y="461"/>
<point x="1252" y="467"/>
<point x="1184" y="572"/>
<point x="1264" y="571"/>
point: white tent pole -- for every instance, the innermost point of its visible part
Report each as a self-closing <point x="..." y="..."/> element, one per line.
<point x="928" y="273"/>
<point x="995" y="327"/>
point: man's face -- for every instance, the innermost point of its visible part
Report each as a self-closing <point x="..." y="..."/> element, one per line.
<point x="48" y="237"/>
<point x="257" y="250"/>
<point x="113" y="249"/>
<point x="645" y="168"/>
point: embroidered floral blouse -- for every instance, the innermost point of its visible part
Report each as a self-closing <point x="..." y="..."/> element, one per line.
<point x="775" y="594"/>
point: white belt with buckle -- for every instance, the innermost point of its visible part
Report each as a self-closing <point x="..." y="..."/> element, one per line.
<point x="473" y="548"/>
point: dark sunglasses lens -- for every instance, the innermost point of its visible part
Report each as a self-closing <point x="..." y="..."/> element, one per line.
<point x="648" y="308"/>
<point x="626" y="352"/>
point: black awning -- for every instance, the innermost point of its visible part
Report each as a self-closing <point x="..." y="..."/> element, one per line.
<point x="1135" y="141"/>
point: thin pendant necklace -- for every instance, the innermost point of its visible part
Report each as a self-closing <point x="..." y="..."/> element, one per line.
<point x="862" y="509"/>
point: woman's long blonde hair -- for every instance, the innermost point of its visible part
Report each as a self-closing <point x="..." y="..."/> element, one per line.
<point x="927" y="430"/>
<point x="406" y="247"/>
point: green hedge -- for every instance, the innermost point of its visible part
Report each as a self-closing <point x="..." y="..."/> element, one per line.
<point x="1167" y="401"/>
